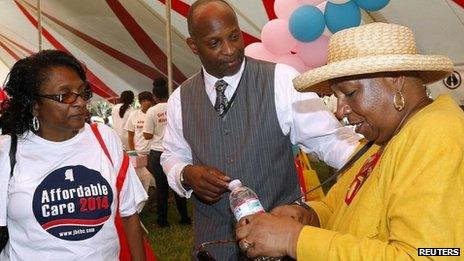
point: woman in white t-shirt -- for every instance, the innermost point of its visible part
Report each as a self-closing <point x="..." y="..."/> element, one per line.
<point x="61" y="201"/>
<point x="120" y="114"/>
<point x="134" y="125"/>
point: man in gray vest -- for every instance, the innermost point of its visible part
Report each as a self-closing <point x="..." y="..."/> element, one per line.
<point x="237" y="119"/>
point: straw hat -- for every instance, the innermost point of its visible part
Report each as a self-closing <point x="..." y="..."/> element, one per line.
<point x="372" y="48"/>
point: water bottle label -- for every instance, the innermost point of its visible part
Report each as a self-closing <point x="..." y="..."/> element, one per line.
<point x="248" y="207"/>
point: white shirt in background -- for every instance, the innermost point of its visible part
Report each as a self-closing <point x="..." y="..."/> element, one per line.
<point x="119" y="123"/>
<point x="135" y="124"/>
<point x="303" y="116"/>
<point x="155" y="123"/>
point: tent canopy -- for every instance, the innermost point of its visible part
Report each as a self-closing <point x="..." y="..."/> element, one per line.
<point x="123" y="42"/>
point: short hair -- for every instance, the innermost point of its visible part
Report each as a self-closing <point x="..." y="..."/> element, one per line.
<point x="160" y="88"/>
<point x="195" y="6"/>
<point x="23" y="84"/>
<point x="143" y="96"/>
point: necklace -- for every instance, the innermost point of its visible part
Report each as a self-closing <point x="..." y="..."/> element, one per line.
<point x="370" y="163"/>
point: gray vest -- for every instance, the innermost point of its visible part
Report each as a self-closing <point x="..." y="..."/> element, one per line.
<point x="247" y="144"/>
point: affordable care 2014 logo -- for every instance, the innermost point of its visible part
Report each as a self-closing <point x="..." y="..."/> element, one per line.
<point x="73" y="203"/>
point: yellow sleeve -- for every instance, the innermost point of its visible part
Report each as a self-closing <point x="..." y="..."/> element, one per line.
<point x="322" y="244"/>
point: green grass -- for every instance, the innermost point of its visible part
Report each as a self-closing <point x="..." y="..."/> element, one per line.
<point x="174" y="242"/>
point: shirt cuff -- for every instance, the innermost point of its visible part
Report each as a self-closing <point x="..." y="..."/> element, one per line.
<point x="186" y="193"/>
<point x="322" y="211"/>
<point x="313" y="243"/>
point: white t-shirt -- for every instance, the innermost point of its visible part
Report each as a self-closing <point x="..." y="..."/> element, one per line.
<point x="62" y="198"/>
<point x="119" y="123"/>
<point x="155" y="123"/>
<point x="135" y="124"/>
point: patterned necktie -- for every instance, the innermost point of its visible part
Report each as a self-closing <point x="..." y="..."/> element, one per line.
<point x="221" y="100"/>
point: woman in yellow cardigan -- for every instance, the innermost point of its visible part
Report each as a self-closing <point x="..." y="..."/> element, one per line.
<point x="408" y="194"/>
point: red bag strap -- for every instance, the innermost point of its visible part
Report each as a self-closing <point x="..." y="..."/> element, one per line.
<point x="125" y="160"/>
<point x="122" y="173"/>
<point x="95" y="130"/>
<point x="124" y="254"/>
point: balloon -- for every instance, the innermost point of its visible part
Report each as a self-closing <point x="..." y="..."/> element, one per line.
<point x="339" y="2"/>
<point x="321" y="7"/>
<point x="372" y="5"/>
<point x="257" y="51"/>
<point x="306" y="23"/>
<point x="292" y="60"/>
<point x="310" y="2"/>
<point x="284" y="8"/>
<point x="339" y="17"/>
<point x="314" y="54"/>
<point x="276" y="37"/>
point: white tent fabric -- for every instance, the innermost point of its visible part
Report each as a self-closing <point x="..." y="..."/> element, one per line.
<point x="123" y="43"/>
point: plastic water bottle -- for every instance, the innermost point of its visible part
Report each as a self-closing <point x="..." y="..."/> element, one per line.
<point x="245" y="202"/>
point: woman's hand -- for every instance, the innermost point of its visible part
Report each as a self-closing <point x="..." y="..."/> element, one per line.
<point x="305" y="216"/>
<point x="265" y="234"/>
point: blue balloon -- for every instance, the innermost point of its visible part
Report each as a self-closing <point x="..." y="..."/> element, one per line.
<point x="307" y="23"/>
<point x="342" y="16"/>
<point x="372" y="5"/>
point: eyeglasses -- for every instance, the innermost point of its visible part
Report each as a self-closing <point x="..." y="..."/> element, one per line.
<point x="70" y="97"/>
<point x="202" y="254"/>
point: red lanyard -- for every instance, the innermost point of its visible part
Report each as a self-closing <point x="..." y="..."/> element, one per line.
<point x="362" y="175"/>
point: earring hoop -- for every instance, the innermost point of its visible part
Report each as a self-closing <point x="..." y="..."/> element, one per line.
<point x="35" y="123"/>
<point x="398" y="100"/>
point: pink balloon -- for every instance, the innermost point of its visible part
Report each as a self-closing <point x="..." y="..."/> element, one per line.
<point x="292" y="60"/>
<point x="311" y="2"/>
<point x="257" y="51"/>
<point x="321" y="7"/>
<point x="284" y="8"/>
<point x="313" y="54"/>
<point x="276" y="37"/>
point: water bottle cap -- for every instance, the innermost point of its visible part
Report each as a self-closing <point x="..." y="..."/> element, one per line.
<point x="234" y="184"/>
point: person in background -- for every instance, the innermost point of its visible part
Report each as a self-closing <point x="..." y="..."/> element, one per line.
<point x="237" y="118"/>
<point x="153" y="130"/>
<point x="134" y="124"/>
<point x="120" y="115"/>
<point x="137" y="143"/>
<point x="61" y="200"/>
<point x="408" y="194"/>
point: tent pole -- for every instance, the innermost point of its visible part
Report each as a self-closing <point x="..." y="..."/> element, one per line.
<point x="39" y="23"/>
<point x="169" y="45"/>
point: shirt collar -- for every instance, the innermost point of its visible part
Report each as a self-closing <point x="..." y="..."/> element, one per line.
<point x="232" y="80"/>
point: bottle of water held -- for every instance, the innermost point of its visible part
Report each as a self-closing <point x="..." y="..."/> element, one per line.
<point x="245" y="202"/>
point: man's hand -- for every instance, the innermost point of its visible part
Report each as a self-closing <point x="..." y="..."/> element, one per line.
<point x="208" y="183"/>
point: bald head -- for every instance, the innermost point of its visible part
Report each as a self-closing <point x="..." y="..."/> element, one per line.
<point x="202" y="7"/>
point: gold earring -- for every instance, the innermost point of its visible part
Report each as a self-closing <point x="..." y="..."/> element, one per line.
<point x="398" y="100"/>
